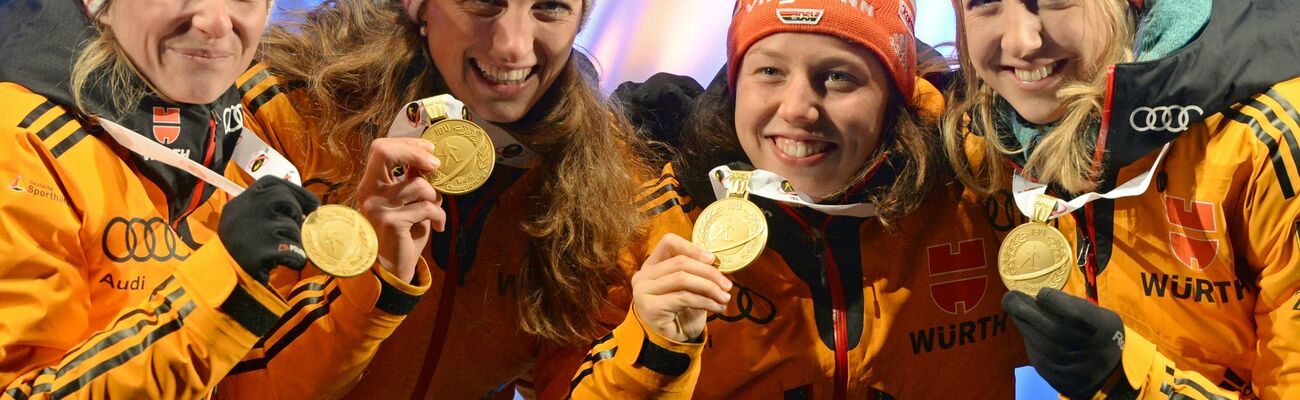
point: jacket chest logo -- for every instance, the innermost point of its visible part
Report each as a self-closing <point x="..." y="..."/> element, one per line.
<point x="1193" y="226"/>
<point x="166" y="124"/>
<point x="141" y="240"/>
<point x="957" y="277"/>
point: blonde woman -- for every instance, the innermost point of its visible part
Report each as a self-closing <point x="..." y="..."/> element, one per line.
<point x="531" y="266"/>
<point x="1160" y="135"/>
<point x="125" y="276"/>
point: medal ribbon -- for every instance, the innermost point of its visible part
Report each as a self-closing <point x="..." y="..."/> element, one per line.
<point x="247" y="151"/>
<point x="420" y="114"/>
<point x="1028" y="193"/>
<point x="769" y="185"/>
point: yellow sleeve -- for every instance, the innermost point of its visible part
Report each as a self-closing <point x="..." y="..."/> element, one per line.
<point x="1149" y="375"/>
<point x="1270" y="214"/>
<point x="179" y="342"/>
<point x="332" y="330"/>
<point x="634" y="362"/>
<point x="335" y="325"/>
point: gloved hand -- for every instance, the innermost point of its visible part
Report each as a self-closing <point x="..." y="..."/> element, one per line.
<point x="659" y="106"/>
<point x="262" y="227"/>
<point x="1075" y="345"/>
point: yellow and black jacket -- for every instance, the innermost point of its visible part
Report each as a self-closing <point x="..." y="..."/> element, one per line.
<point x="835" y="307"/>
<point x="1203" y="267"/>
<point x="464" y="341"/>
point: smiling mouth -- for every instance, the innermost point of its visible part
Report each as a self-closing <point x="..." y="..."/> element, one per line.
<point x="802" y="148"/>
<point x="502" y="76"/>
<point x="1037" y="74"/>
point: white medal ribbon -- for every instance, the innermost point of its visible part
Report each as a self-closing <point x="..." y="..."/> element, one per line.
<point x="247" y="152"/>
<point x="1027" y="192"/>
<point x="416" y="115"/>
<point x="770" y="185"/>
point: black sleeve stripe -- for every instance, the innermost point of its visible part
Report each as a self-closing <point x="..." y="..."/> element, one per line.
<point x="665" y="189"/>
<point x="67" y="143"/>
<point x="128" y="354"/>
<point x="36" y="114"/>
<point x="663" y="361"/>
<point x="250" y="314"/>
<point x="1287" y="133"/>
<point x="297" y="307"/>
<point x="601" y="355"/>
<point x="662" y="177"/>
<point x="393" y="300"/>
<point x="123" y="334"/>
<point x="307" y="321"/>
<point x="21" y="394"/>
<point x="1279" y="166"/>
<point x="659" y="209"/>
<point x="170" y="298"/>
<point x="578" y="380"/>
<point x="1200" y="389"/>
<point x="317" y="286"/>
<point x="602" y="339"/>
<point x="269" y="94"/>
<point x="255" y="80"/>
<point x="1235" y="379"/>
<point x="54" y="126"/>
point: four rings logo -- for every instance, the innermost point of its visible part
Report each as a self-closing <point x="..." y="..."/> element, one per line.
<point x="139" y="240"/>
<point x="1165" y="118"/>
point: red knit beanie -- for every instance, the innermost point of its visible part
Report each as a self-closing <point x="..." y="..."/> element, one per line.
<point x="882" y="26"/>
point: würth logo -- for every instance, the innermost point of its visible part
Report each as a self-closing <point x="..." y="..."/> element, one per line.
<point x="955" y="285"/>
<point x="166" y="124"/>
<point x="800" y="16"/>
<point x="1192" y="236"/>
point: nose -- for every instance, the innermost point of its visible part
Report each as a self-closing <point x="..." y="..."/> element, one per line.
<point x="213" y="18"/>
<point x="512" y="37"/>
<point x="1023" y="31"/>
<point x="800" y="103"/>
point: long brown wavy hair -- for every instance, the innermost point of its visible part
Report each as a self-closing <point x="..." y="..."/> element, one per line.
<point x="360" y="60"/>
<point x="1065" y="154"/>
<point x="911" y="136"/>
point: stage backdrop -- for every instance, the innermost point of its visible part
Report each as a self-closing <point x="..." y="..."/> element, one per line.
<point x="633" y="39"/>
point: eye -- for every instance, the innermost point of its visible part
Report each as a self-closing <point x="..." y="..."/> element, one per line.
<point x="484" y="7"/>
<point x="841" y="80"/>
<point x="973" y="4"/>
<point x="552" y="10"/>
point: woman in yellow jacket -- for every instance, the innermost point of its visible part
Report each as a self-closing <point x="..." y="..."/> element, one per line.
<point x="127" y="277"/>
<point x="877" y="279"/>
<point x="1180" y="114"/>
<point x="528" y="268"/>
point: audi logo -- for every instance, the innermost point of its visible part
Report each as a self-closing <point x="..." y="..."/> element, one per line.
<point x="139" y="240"/>
<point x="1163" y="119"/>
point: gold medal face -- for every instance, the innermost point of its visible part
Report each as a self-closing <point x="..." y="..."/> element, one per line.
<point x="734" y="230"/>
<point x="1034" y="256"/>
<point x="466" y="152"/>
<point x="339" y="241"/>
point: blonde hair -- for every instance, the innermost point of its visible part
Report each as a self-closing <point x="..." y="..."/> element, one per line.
<point x="103" y="65"/>
<point x="1065" y="154"/>
<point x="357" y="68"/>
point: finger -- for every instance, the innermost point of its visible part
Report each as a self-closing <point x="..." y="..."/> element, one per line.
<point x="281" y="199"/>
<point x="682" y="281"/>
<point x="681" y="301"/>
<point x="671" y="245"/>
<point x="403" y="217"/>
<point x="692" y="266"/>
<point x="1066" y="307"/>
<point x="386" y="153"/>
<point x="410" y="191"/>
<point x="307" y="201"/>
<point x="1029" y="316"/>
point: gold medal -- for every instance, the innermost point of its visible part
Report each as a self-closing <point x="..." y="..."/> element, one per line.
<point x="1035" y="255"/>
<point x="733" y="228"/>
<point x="466" y="152"/>
<point x="339" y="241"/>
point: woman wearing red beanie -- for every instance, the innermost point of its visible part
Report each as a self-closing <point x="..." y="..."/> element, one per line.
<point x="877" y="278"/>
<point x="1160" y="137"/>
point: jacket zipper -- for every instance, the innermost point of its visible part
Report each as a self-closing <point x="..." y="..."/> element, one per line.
<point x="839" y="311"/>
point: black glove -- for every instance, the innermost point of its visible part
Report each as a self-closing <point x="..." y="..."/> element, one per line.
<point x="262" y="228"/>
<point x="1075" y="345"/>
<point x="659" y="106"/>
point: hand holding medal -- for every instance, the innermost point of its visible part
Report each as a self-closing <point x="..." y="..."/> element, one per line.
<point x="464" y="148"/>
<point x="733" y="228"/>
<point x="1035" y="255"/>
<point x="337" y="239"/>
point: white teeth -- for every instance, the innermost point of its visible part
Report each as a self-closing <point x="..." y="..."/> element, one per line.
<point x="800" y="148"/>
<point x="503" y="76"/>
<point x="1035" y="75"/>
